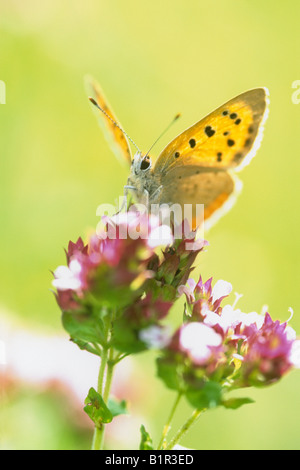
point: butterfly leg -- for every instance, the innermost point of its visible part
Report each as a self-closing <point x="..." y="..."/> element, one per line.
<point x="145" y="198"/>
<point x="124" y="201"/>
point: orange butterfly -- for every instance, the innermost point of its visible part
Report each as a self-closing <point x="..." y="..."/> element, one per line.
<point x="199" y="165"/>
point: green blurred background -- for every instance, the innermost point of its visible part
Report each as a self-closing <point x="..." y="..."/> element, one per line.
<point x="153" y="59"/>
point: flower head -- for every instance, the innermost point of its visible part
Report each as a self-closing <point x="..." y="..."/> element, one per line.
<point x="202" y="298"/>
<point x="267" y="352"/>
<point x="200" y="342"/>
<point x="224" y="344"/>
<point x="113" y="265"/>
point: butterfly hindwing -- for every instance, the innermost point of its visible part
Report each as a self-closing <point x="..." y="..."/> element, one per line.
<point x="223" y="139"/>
<point x="192" y="186"/>
<point x="115" y="137"/>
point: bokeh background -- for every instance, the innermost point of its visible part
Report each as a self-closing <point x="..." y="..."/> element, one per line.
<point x="153" y="59"/>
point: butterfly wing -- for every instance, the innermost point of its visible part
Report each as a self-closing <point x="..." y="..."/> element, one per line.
<point x="115" y="137"/>
<point x="216" y="189"/>
<point x="226" y="138"/>
<point x="195" y="167"/>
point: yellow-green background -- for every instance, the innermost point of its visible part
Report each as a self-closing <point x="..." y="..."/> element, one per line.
<point x="153" y="59"/>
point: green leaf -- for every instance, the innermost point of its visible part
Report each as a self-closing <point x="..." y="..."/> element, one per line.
<point x="117" y="407"/>
<point x="234" y="403"/>
<point x="83" y="327"/>
<point x="83" y="345"/>
<point x="125" y="338"/>
<point x="170" y="373"/>
<point x="146" y="441"/>
<point x="209" y="396"/>
<point x="96" y="409"/>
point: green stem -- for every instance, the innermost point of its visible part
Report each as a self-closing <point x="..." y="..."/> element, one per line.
<point x="109" y="375"/>
<point x="167" y="426"/>
<point x="104" y="380"/>
<point x="101" y="375"/>
<point x="181" y="432"/>
<point x="99" y="432"/>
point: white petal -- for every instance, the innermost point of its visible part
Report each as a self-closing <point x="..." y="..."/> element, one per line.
<point x="196" y="338"/>
<point x="155" y="337"/>
<point x="161" y="235"/>
<point x="66" y="284"/>
<point x="290" y="333"/>
<point x="221" y="289"/>
<point x="62" y="272"/>
<point x="65" y="278"/>
<point x="252" y="318"/>
<point x="295" y="354"/>
<point x="212" y="318"/>
<point x="201" y="354"/>
<point x="188" y="290"/>
<point x="230" y="317"/>
<point x="75" y="266"/>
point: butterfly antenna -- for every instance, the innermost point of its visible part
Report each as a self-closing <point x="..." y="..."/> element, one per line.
<point x="166" y="129"/>
<point x="114" y="122"/>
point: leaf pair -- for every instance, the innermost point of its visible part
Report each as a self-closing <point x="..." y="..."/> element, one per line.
<point x="99" y="412"/>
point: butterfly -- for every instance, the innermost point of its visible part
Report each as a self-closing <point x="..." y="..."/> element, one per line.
<point x="199" y="165"/>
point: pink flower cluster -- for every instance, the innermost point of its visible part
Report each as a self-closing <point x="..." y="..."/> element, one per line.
<point x="227" y="345"/>
<point x="120" y="271"/>
<point x="113" y="264"/>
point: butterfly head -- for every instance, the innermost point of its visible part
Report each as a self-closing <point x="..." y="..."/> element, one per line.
<point x="141" y="164"/>
<point x="140" y="178"/>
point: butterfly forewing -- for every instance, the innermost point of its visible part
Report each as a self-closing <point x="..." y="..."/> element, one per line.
<point x="222" y="139"/>
<point x="115" y="137"/>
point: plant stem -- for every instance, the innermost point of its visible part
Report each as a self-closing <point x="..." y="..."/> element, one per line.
<point x="181" y="432"/>
<point x="167" y="426"/>
<point x="101" y="375"/>
<point x="99" y="432"/>
<point x="109" y="374"/>
<point x="104" y="380"/>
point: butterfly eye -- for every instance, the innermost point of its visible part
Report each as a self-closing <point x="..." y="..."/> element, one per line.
<point x="145" y="163"/>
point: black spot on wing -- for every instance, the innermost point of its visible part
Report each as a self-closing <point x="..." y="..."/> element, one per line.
<point x="209" y="131"/>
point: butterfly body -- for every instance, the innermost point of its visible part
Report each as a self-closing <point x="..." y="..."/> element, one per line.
<point x="199" y="165"/>
<point x="144" y="183"/>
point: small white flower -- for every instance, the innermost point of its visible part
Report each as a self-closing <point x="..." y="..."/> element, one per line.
<point x="251" y="318"/>
<point x="161" y="235"/>
<point x="195" y="244"/>
<point x="230" y="318"/>
<point x="290" y="333"/>
<point x="295" y="354"/>
<point x="196" y="339"/>
<point x="155" y="337"/>
<point x="188" y="290"/>
<point x="221" y="289"/>
<point x="66" y="277"/>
